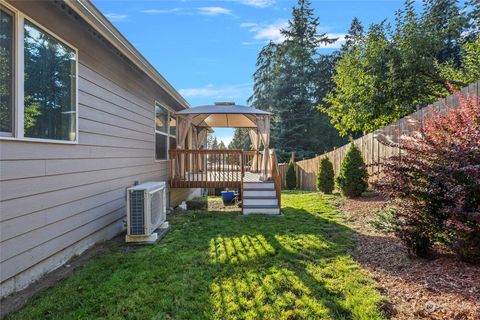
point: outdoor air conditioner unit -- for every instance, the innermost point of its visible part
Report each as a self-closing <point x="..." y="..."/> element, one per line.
<point x="146" y="211"/>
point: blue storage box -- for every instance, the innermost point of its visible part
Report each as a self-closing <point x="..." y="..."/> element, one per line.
<point x="228" y="196"/>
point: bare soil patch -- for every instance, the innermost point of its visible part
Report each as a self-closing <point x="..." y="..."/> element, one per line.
<point x="441" y="288"/>
<point x="216" y="204"/>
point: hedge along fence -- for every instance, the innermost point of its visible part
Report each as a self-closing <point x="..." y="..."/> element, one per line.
<point x="374" y="146"/>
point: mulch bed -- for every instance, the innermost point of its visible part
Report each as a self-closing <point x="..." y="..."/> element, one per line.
<point x="441" y="288"/>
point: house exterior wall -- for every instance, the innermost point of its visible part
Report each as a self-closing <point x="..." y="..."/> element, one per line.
<point x="56" y="200"/>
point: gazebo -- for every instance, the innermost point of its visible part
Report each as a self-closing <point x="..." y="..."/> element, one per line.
<point x="242" y="169"/>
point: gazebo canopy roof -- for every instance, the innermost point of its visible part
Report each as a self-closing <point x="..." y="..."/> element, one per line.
<point x="225" y="114"/>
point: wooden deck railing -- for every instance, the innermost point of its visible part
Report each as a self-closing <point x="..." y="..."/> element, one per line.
<point x="276" y="176"/>
<point x="219" y="168"/>
<point x="210" y="168"/>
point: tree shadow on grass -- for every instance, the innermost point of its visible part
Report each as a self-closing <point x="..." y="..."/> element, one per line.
<point x="279" y="279"/>
<point x="220" y="265"/>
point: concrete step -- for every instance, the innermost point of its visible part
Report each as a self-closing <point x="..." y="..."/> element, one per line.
<point x="271" y="209"/>
<point x="260" y="201"/>
<point x="258" y="193"/>
<point x="258" y="185"/>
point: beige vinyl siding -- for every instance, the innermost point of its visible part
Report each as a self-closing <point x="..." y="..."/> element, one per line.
<point x="54" y="196"/>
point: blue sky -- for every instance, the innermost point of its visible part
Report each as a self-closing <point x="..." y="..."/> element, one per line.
<point x="208" y="49"/>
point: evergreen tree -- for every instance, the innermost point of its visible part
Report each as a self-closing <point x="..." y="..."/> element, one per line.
<point x="210" y="139"/>
<point x="325" y="178"/>
<point x="290" y="176"/>
<point x="354" y="35"/>
<point x="288" y="82"/>
<point x="215" y="145"/>
<point x="222" y="145"/>
<point x="473" y="18"/>
<point x="264" y="78"/>
<point x="240" y="140"/>
<point x="352" y="179"/>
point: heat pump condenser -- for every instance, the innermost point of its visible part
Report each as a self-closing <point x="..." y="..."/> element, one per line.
<point x="146" y="211"/>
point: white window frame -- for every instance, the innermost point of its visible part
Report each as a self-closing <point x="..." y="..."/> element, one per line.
<point x="19" y="78"/>
<point x="167" y="134"/>
<point x="13" y="14"/>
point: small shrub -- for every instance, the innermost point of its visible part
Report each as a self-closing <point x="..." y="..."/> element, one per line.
<point x="291" y="177"/>
<point x="435" y="183"/>
<point x="352" y="180"/>
<point x="199" y="203"/>
<point x="385" y="220"/>
<point x="325" y="178"/>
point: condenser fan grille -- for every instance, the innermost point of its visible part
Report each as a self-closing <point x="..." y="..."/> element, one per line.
<point x="137" y="216"/>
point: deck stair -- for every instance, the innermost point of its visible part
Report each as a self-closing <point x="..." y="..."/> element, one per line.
<point x="260" y="198"/>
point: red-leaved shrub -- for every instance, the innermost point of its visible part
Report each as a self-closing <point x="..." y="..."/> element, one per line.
<point x="435" y="182"/>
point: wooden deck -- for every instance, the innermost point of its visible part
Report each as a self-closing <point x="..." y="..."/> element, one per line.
<point x="232" y="179"/>
<point x="219" y="169"/>
<point x="212" y="168"/>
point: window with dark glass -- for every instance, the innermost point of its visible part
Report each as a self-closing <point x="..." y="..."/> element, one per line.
<point x="6" y="72"/>
<point x="165" y="132"/>
<point x="161" y="146"/>
<point x="50" y="86"/>
<point x="161" y="118"/>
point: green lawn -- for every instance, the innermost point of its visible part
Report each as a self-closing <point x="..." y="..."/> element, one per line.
<point x="219" y="265"/>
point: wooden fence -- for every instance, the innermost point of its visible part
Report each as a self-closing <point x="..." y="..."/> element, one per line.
<point x="374" y="146"/>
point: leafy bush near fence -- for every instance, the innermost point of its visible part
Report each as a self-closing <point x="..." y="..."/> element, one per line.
<point x="290" y="176"/>
<point x="325" y="178"/>
<point x="352" y="179"/>
<point x="435" y="183"/>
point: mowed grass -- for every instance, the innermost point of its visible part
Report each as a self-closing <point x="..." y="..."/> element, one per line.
<point x="219" y="265"/>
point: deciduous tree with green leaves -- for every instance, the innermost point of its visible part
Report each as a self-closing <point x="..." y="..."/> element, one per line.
<point x="387" y="72"/>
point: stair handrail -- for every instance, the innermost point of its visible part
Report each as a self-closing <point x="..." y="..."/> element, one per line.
<point x="276" y="177"/>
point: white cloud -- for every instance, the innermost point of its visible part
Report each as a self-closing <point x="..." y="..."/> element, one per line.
<point x="226" y="140"/>
<point x="204" y="11"/>
<point x="158" y="11"/>
<point x="267" y="32"/>
<point x="248" y="24"/>
<point x="257" y="3"/>
<point x="272" y="32"/>
<point x="213" y="11"/>
<point x="224" y="93"/>
<point x="115" y="17"/>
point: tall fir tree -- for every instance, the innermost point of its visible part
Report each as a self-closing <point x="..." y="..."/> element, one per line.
<point x="354" y="35"/>
<point x="240" y="140"/>
<point x="215" y="145"/>
<point x="473" y="17"/>
<point x="287" y="82"/>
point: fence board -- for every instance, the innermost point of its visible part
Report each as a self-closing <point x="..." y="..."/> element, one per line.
<point x="376" y="146"/>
